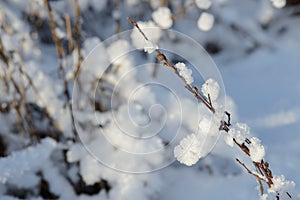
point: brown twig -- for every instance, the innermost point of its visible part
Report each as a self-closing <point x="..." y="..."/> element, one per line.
<point x="161" y="57"/>
<point x="260" y="166"/>
<point x="77" y="31"/>
<point x="69" y="32"/>
<point x="61" y="54"/>
<point x="249" y="171"/>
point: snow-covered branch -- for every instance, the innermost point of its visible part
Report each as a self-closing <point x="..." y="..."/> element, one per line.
<point x="188" y="152"/>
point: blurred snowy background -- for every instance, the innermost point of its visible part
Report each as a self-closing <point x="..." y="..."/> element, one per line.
<point x="255" y="44"/>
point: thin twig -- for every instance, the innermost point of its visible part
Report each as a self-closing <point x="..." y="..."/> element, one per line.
<point x="249" y="171"/>
<point x="61" y="54"/>
<point x="260" y="166"/>
<point x="161" y="57"/>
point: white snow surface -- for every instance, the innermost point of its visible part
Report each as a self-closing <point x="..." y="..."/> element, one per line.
<point x="263" y="81"/>
<point x="30" y="159"/>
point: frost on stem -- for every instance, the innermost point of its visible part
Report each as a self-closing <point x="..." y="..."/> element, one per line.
<point x="280" y="185"/>
<point x="188" y="151"/>
<point x="184" y="72"/>
<point x="239" y="132"/>
<point x="211" y="89"/>
<point x="150" y="29"/>
<point x="257" y="151"/>
<point x="150" y="46"/>
<point x="163" y="17"/>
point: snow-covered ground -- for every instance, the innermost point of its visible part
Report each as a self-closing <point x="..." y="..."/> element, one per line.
<point x="255" y="46"/>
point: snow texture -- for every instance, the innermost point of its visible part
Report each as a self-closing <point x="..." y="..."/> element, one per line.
<point x="281" y="185"/>
<point x="257" y="151"/>
<point x="27" y="160"/>
<point x="184" y="72"/>
<point x="211" y="88"/>
<point x="188" y="151"/>
<point x="209" y="126"/>
<point x="150" y="46"/>
<point x="270" y="44"/>
<point x="239" y="132"/>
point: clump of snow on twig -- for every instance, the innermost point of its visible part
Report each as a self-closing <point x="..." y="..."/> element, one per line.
<point x="239" y="132"/>
<point x="257" y="151"/>
<point x="150" y="46"/>
<point x="211" y="88"/>
<point x="184" y="72"/>
<point x="188" y="151"/>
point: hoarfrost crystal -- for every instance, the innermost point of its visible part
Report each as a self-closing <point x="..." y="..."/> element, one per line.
<point x="184" y="72"/>
<point x="257" y="151"/>
<point x="212" y="88"/>
<point x="188" y="151"/>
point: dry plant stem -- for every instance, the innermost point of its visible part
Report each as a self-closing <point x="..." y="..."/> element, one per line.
<point x="261" y="187"/>
<point x="117" y="20"/>
<point x="161" y="57"/>
<point x="26" y="124"/>
<point x="77" y="30"/>
<point x="5" y="25"/>
<point x="61" y="54"/>
<point x="69" y="32"/>
<point x="249" y="171"/>
<point x="18" y="91"/>
<point x="262" y="167"/>
<point x="4" y="58"/>
<point x="36" y="91"/>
